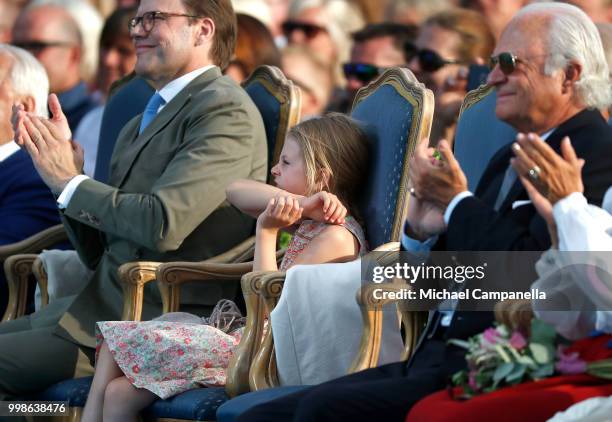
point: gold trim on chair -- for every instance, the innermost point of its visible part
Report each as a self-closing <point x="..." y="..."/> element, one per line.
<point x="286" y="93"/>
<point x="422" y="100"/>
<point x="475" y="96"/>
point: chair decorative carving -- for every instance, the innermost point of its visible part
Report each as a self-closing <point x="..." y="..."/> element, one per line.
<point x="279" y="101"/>
<point x="396" y="112"/>
<point x="480" y="134"/>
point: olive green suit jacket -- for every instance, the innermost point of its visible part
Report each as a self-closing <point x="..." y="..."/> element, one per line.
<point x="165" y="200"/>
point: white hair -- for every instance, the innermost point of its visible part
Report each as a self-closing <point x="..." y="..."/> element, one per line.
<point x="90" y="25"/>
<point x="28" y="77"/>
<point x="572" y="36"/>
<point x="343" y="18"/>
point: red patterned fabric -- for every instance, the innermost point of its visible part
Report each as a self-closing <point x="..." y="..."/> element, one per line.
<point x="531" y="401"/>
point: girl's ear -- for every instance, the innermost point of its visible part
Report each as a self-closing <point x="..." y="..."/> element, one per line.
<point x="324" y="177"/>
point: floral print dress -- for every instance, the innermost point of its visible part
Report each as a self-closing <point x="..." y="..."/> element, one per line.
<point x="179" y="351"/>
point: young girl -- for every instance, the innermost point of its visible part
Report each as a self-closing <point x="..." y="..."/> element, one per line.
<point x="318" y="177"/>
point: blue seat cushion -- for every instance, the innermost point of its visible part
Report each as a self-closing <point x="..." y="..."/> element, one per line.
<point x="199" y="404"/>
<point x="230" y="410"/>
<point x="74" y="391"/>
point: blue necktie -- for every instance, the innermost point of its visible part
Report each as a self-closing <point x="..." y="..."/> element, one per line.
<point x="150" y="111"/>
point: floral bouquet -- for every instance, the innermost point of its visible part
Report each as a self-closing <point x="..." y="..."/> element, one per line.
<point x="499" y="357"/>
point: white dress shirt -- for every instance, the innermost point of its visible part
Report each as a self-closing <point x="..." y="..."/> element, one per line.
<point x="8" y="149"/>
<point x="168" y="92"/>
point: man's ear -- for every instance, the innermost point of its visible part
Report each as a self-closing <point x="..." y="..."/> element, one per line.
<point x="29" y="103"/>
<point x="206" y="31"/>
<point x="572" y="71"/>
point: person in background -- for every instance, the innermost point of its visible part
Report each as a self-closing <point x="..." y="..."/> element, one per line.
<point x="254" y="47"/>
<point x="375" y="48"/>
<point x="598" y="10"/>
<point x="54" y="38"/>
<point x="497" y="13"/>
<point x="117" y="59"/>
<point x="447" y="44"/>
<point x="414" y="12"/>
<point x="27" y="206"/>
<point x="9" y="10"/>
<point x="313" y="77"/>
<point x="325" y="27"/>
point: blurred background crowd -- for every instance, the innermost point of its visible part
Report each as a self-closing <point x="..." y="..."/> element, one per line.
<point x="329" y="48"/>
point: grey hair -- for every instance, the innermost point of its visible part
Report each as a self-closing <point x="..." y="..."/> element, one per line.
<point x="572" y="35"/>
<point x="28" y="77"/>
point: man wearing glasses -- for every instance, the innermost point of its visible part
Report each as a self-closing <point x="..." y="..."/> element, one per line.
<point x="54" y="38"/>
<point x="165" y="199"/>
<point x="551" y="77"/>
<point x="376" y="48"/>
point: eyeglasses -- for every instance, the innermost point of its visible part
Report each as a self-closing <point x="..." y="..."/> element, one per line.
<point x="362" y="71"/>
<point x="507" y="62"/>
<point x="429" y="60"/>
<point x="148" y="19"/>
<point x="35" y="47"/>
<point x="308" y="29"/>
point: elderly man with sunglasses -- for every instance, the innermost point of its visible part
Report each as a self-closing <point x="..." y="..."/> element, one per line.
<point x="551" y="77"/>
<point x="165" y="199"/>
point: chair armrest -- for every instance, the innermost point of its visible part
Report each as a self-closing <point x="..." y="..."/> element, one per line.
<point x="133" y="277"/>
<point x="239" y="253"/>
<point x="18" y="269"/>
<point x="172" y="275"/>
<point x="238" y="370"/>
<point x="38" y="269"/>
<point x="263" y="372"/>
<point x="413" y="323"/>
<point x="35" y="243"/>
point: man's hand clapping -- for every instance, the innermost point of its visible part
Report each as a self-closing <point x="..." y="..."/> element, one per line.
<point x="56" y="158"/>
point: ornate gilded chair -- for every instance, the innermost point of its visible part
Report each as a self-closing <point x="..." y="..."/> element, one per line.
<point x="480" y="134"/>
<point x="396" y="112"/>
<point x="278" y="100"/>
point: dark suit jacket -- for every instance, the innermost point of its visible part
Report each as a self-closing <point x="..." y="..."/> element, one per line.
<point x="27" y="206"/>
<point x="475" y="226"/>
<point x="165" y="199"/>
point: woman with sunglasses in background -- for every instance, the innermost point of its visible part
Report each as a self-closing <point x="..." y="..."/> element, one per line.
<point x="448" y="43"/>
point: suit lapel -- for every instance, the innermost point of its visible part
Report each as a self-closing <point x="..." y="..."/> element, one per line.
<point x="162" y="119"/>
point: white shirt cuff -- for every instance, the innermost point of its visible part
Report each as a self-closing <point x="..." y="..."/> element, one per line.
<point x="66" y="195"/>
<point x="417" y="246"/>
<point x="569" y="204"/>
<point x="453" y="203"/>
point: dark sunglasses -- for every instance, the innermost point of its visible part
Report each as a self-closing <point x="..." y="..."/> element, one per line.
<point x="362" y="71"/>
<point x="309" y="30"/>
<point x="429" y="60"/>
<point x="506" y="61"/>
<point x="38" y="46"/>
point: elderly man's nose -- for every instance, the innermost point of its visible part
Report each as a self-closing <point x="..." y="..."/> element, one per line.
<point x="496" y="76"/>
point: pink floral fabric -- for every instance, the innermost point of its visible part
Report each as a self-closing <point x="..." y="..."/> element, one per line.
<point x="170" y="357"/>
<point x="310" y="229"/>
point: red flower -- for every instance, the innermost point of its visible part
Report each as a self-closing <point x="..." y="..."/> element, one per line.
<point x="187" y="340"/>
<point x="181" y="352"/>
<point x="135" y="369"/>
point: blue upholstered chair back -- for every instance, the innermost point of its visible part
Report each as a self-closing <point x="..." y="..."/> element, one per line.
<point x="480" y="134"/>
<point x="395" y="111"/>
<point x="125" y="103"/>
<point x="278" y="101"/>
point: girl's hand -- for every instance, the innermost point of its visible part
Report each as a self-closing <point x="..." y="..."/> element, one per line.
<point x="282" y="211"/>
<point x="325" y="207"/>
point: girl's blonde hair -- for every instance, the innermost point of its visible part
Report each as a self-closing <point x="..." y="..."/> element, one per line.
<point x="334" y="146"/>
